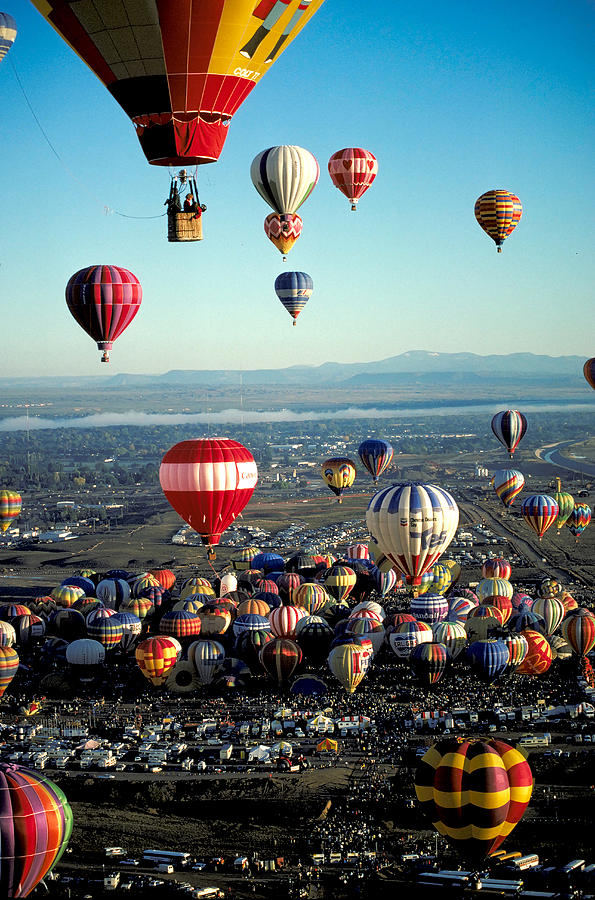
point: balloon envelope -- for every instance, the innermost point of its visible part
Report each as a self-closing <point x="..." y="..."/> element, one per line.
<point x="8" y="33"/>
<point x="352" y="171"/>
<point x="509" y="426"/>
<point x="208" y="482"/>
<point x="179" y="70"/>
<point x="285" y="176"/>
<point x="498" y="212"/>
<point x="474" y="792"/>
<point x="104" y="300"/>
<point x="376" y="456"/>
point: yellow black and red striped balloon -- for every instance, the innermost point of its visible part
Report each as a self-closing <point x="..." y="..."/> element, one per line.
<point x="498" y="213"/>
<point x="474" y="792"/>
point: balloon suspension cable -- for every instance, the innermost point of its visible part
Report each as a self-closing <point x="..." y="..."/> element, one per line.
<point x="69" y="172"/>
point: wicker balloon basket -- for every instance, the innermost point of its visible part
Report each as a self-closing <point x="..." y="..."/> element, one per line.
<point x="184" y="226"/>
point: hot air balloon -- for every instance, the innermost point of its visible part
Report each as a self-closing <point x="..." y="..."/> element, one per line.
<point x="429" y="608"/>
<point x="180" y="71"/>
<point x="565" y="503"/>
<point x="474" y="792"/>
<point x="311" y="597"/>
<point x="498" y="213"/>
<point x="104" y="300"/>
<point x="283" y="231"/>
<point x="412" y="524"/>
<point x="452" y="635"/>
<point x="165" y="577"/>
<point x="181" y="624"/>
<point x="8" y="33"/>
<point x="9" y="664"/>
<point x="508" y="483"/>
<point x="539" y="655"/>
<point x="496" y="567"/>
<point x="589" y="372"/>
<point x="156" y="656"/>
<point x="294" y="289"/>
<point x="207" y="657"/>
<point x="459" y="608"/>
<point x="489" y="658"/>
<point x="552" y="612"/>
<point x="540" y="512"/>
<point x="338" y="473"/>
<point x="113" y="592"/>
<point x="284" y="177"/>
<point x="518" y="647"/>
<point x="242" y="559"/>
<point x="284" y="620"/>
<point x="407" y="636"/>
<point x="66" y="595"/>
<point x="208" y="482"/>
<point x="10" y="507"/>
<point x="348" y="664"/>
<point x="385" y="581"/>
<point x="376" y="456"/>
<point x="509" y="426"/>
<point x="339" y="581"/>
<point x="352" y="171"/>
<point x="36" y="828"/>
<point x="579" y="518"/>
<point x="429" y="662"/>
<point x="280" y="658"/>
<point x="268" y="562"/>
<point x="578" y="630"/>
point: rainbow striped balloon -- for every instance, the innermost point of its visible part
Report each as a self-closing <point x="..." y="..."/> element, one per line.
<point x="508" y="484"/>
<point x="10" y="507"/>
<point x="36" y="824"/>
<point x="579" y="518"/>
<point x="498" y="213"/>
<point x="540" y="512"/>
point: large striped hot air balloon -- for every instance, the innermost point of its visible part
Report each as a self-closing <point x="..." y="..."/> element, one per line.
<point x="339" y="581"/>
<point x="509" y="426"/>
<point x="208" y="482"/>
<point x="338" y="473"/>
<point x="551" y="610"/>
<point x="508" y="484"/>
<point x="474" y="792"/>
<point x="376" y="456"/>
<point x="539" y="511"/>
<point x="412" y="524"/>
<point x="408" y="635"/>
<point x="284" y="620"/>
<point x="352" y="171"/>
<point x="579" y="518"/>
<point x="283" y="231"/>
<point x="104" y="300"/>
<point x="311" y="597"/>
<point x="180" y="70"/>
<point x="578" y="630"/>
<point x="36" y="827"/>
<point x="294" y="289"/>
<point x="429" y="608"/>
<point x="349" y="664"/>
<point x="284" y="177"/>
<point x="207" y="658"/>
<point x="452" y="635"/>
<point x="498" y="213"/>
<point x="156" y="656"/>
<point x="10" y="507"/>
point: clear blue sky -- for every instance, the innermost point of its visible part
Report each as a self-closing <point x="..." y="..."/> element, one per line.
<point x="453" y="99"/>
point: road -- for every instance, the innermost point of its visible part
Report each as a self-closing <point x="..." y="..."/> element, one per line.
<point x="553" y="455"/>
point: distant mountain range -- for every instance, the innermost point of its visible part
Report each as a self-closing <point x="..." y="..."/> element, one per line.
<point x="417" y="367"/>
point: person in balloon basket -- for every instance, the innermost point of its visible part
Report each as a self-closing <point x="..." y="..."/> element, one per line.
<point x="269" y="12"/>
<point x="193" y="206"/>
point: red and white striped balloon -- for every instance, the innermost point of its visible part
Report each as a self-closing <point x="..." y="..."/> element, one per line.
<point x="208" y="482"/>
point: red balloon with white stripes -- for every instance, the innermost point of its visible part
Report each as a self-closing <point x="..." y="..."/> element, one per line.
<point x="352" y="171"/>
<point x="208" y="481"/>
<point x="104" y="300"/>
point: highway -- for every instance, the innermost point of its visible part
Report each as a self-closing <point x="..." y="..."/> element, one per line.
<point x="553" y="455"/>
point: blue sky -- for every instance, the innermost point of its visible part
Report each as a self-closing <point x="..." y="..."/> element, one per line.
<point x="453" y="99"/>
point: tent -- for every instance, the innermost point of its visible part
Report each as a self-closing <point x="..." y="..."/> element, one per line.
<point x="328" y="745"/>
